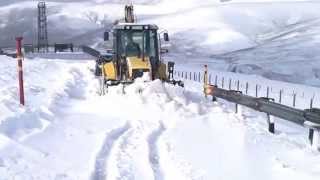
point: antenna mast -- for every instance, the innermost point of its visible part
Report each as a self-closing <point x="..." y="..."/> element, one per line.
<point x="43" y="43"/>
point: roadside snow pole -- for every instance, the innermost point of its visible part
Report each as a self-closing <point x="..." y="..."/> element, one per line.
<point x="294" y="99"/>
<point x="208" y="88"/>
<point x="20" y="70"/>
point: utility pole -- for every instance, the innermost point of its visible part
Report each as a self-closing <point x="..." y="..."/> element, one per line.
<point x="43" y="43"/>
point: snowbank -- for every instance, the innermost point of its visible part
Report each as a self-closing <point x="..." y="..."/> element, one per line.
<point x="45" y="84"/>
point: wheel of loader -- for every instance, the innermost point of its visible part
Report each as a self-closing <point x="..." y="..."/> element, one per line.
<point x="103" y="87"/>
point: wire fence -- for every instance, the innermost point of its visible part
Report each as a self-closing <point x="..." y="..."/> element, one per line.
<point x="293" y="97"/>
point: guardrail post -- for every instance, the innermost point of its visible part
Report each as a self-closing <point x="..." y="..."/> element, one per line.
<point x="270" y="123"/>
<point x="314" y="134"/>
<point x="194" y="76"/>
<point x="190" y="76"/>
<point x="268" y="89"/>
<point x="315" y="138"/>
<point x="199" y="77"/>
<point x="311" y="133"/>
<point x="280" y="96"/>
<point x="257" y="90"/>
<point x="230" y="81"/>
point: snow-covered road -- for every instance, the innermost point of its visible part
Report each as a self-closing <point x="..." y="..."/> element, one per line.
<point x="162" y="133"/>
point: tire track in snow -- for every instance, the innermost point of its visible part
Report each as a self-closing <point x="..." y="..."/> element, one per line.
<point x="124" y="156"/>
<point x="136" y="141"/>
<point x="154" y="155"/>
<point x="100" y="170"/>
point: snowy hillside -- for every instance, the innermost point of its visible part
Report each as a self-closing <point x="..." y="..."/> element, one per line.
<point x="270" y="38"/>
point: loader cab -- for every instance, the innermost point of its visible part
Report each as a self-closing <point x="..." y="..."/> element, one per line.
<point x="137" y="41"/>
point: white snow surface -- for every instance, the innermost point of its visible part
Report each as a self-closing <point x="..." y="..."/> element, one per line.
<point x="157" y="131"/>
<point x="153" y="131"/>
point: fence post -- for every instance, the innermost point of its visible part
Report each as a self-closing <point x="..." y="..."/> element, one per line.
<point x="216" y="81"/>
<point x="205" y="79"/>
<point x="20" y="70"/>
<point x="230" y="81"/>
<point x="194" y="76"/>
<point x="280" y="96"/>
<point x="222" y="85"/>
<point x="268" y="89"/>
<point x="199" y="77"/>
<point x="311" y="103"/>
<point x="190" y="75"/>
<point x="257" y="90"/>
<point x="238" y="85"/>
<point x="294" y="99"/>
<point x="247" y="88"/>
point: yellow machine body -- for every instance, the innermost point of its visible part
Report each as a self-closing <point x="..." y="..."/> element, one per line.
<point x="110" y="71"/>
<point x="138" y="64"/>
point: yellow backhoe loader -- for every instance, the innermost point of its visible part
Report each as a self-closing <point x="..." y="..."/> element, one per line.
<point x="136" y="52"/>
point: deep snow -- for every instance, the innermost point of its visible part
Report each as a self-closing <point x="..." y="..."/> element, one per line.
<point x="68" y="131"/>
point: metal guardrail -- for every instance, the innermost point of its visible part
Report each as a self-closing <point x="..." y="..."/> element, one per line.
<point x="266" y="105"/>
<point x="309" y="118"/>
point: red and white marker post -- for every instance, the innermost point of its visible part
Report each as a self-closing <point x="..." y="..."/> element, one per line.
<point x="20" y="69"/>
